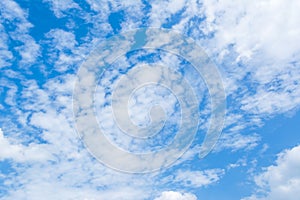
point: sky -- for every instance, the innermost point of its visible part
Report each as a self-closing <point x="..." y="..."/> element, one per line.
<point x="149" y="100"/>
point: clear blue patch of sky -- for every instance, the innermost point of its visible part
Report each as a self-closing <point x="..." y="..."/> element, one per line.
<point x="173" y="19"/>
<point x="281" y="132"/>
<point x="115" y="20"/>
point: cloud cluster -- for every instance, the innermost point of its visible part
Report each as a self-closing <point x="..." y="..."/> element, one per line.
<point x="281" y="180"/>
<point x="254" y="43"/>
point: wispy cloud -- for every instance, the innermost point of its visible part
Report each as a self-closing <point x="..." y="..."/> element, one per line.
<point x="16" y="17"/>
<point x="172" y="195"/>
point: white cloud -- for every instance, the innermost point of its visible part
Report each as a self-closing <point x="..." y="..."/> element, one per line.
<point x="17" y="17"/>
<point x="58" y="7"/>
<point x="235" y="141"/>
<point x="242" y="162"/>
<point x="21" y="153"/>
<point x="132" y="13"/>
<point x="262" y="36"/>
<point x="61" y="43"/>
<point x="198" y="178"/>
<point x="61" y="164"/>
<point x="11" y="10"/>
<point x="276" y="28"/>
<point x="61" y="168"/>
<point x="158" y="15"/>
<point x="279" y="90"/>
<point x="275" y="24"/>
<point x="61" y="39"/>
<point x="172" y="195"/>
<point x="282" y="180"/>
<point x="253" y="42"/>
<point x="29" y="51"/>
<point x="65" y="168"/>
<point x="5" y="54"/>
<point x="233" y="23"/>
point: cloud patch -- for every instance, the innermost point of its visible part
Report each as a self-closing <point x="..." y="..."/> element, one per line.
<point x="171" y="195"/>
<point x="281" y="180"/>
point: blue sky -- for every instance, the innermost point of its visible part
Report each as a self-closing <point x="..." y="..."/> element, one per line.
<point x="45" y="47"/>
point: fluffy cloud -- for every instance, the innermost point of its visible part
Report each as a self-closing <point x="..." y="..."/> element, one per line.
<point x="282" y="180"/>
<point x="236" y="22"/>
<point x="273" y="46"/>
<point x="21" y="153"/>
<point x="171" y="195"/>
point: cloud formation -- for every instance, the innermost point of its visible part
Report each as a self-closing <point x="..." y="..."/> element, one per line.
<point x="281" y="180"/>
